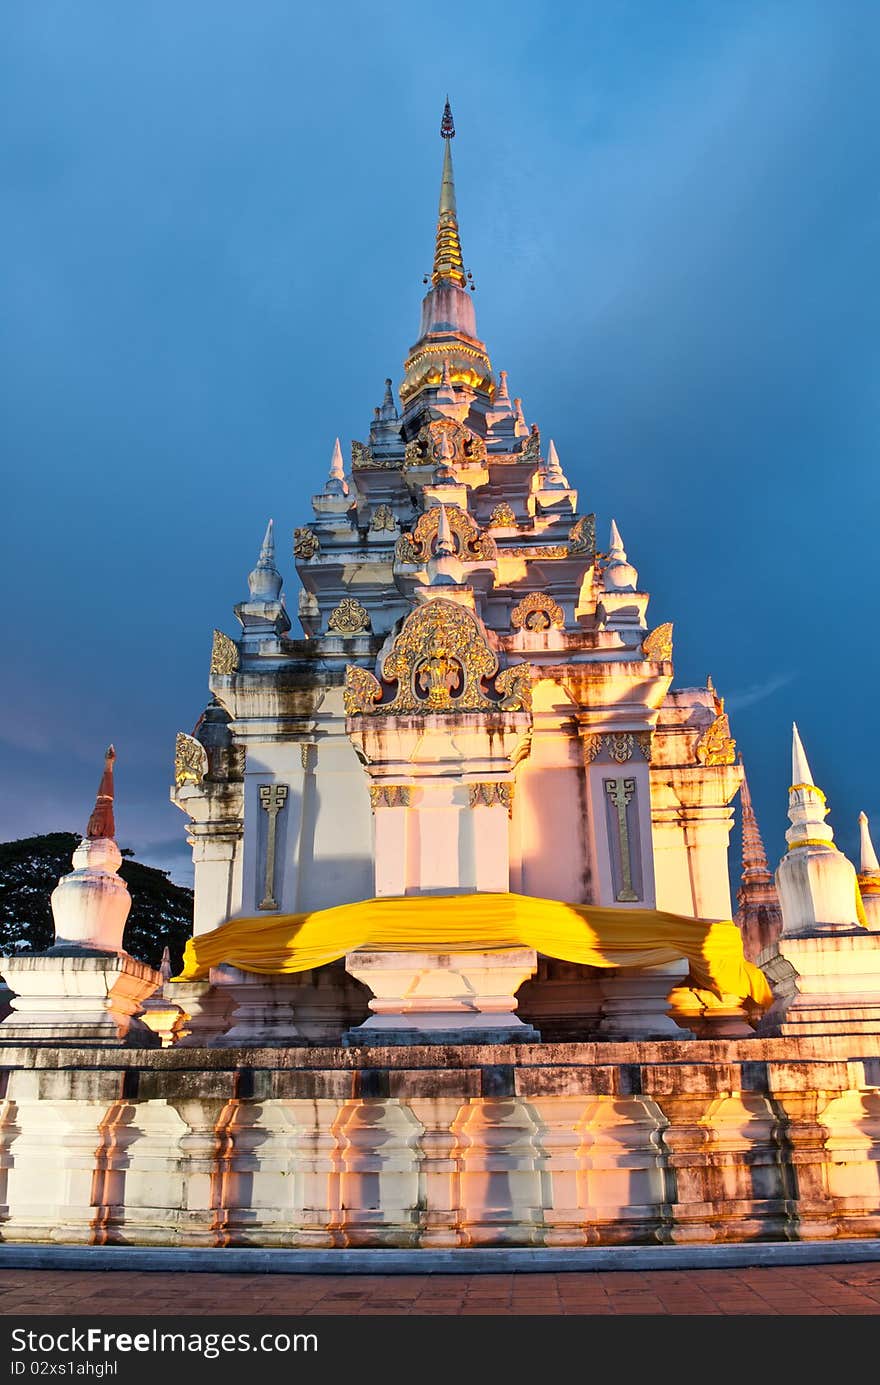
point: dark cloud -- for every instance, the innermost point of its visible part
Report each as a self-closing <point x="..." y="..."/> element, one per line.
<point x="216" y="221"/>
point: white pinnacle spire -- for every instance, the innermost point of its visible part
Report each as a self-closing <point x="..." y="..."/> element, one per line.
<point x="800" y="768"/>
<point x="619" y="575"/>
<point x="264" y="583"/>
<point x="267" y="550"/>
<point x="336" y="482"/>
<point x="445" y="542"/>
<point x="553" y="477"/>
<point x="868" y="860"/>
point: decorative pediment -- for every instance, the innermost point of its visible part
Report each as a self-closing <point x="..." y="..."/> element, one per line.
<point x="445" y="443"/>
<point x="658" y="644"/>
<point x="224" y="655"/>
<point x="471" y="544"/>
<point x="537" y="612"/>
<point x="349" y="617"/>
<point x="440" y="662"/>
<point x="582" y="538"/>
<point x="716" y="746"/>
<point x="502" y="517"/>
<point x="190" y="760"/>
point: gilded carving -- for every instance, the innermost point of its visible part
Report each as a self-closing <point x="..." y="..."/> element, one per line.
<point x="305" y="543"/>
<point x="306" y="756"/>
<point x="439" y="662"/>
<point x="515" y="687"/>
<point x="537" y="612"/>
<point x="531" y="448"/>
<point x="362" y="458"/>
<point x="658" y="644"/>
<point x="716" y="746"/>
<point x="471" y="544"/>
<point x="591" y="744"/>
<point x="444" y="442"/>
<point x="390" y="796"/>
<point x="582" y="538"/>
<point x="491" y="794"/>
<point x="383" y="518"/>
<point x="190" y="760"/>
<point x="645" y="742"/>
<point x="620" y="746"/>
<point x="361" y="689"/>
<point x="349" y="617"/>
<point x="537" y="550"/>
<point x="224" y="655"/>
<point x="502" y="517"/>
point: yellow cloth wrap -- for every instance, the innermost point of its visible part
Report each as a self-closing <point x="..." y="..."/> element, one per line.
<point x="595" y="937"/>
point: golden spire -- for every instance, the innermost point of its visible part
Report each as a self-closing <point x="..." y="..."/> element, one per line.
<point x="448" y="259"/>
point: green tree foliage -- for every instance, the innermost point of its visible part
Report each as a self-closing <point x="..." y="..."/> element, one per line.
<point x="161" y="912"/>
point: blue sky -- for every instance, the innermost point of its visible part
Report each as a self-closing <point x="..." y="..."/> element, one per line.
<point x="216" y="221"/>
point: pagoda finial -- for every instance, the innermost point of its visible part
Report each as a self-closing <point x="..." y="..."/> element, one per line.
<point x="336" y="482"/>
<point x="868" y="863"/>
<point x="448" y="259"/>
<point x="101" y="824"/>
<point x="754" y="857"/>
<point x="267" y="548"/>
<point x="264" y="583"/>
<point x="619" y="575"/>
<point x="801" y="774"/>
<point x="552" y="476"/>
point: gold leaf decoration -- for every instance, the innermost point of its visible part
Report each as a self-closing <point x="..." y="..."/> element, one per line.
<point x="502" y="517"/>
<point x="439" y="662"/>
<point x="305" y="543"/>
<point x="488" y="795"/>
<point x="582" y="538"/>
<point x="190" y="760"/>
<point x="224" y="655"/>
<point x="537" y="612"/>
<point x="716" y="746"/>
<point x="390" y="796"/>
<point x="383" y="519"/>
<point x="471" y="544"/>
<point x="658" y="644"/>
<point x="349" y="617"/>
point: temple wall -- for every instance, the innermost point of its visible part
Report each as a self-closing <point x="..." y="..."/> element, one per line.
<point x="574" y="1144"/>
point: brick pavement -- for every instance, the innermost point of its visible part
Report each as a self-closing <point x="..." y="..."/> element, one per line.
<point x="803" y="1289"/>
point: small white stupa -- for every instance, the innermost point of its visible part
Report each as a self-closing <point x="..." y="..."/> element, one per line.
<point x="85" y="990"/>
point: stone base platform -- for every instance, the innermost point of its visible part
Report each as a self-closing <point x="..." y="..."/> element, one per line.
<point x="697" y="1142"/>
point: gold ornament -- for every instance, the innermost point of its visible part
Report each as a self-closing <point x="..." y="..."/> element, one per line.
<point x="349" y="617"/>
<point x="545" y="550"/>
<point x="645" y="742"/>
<point x="190" y="760"/>
<point x="582" y="538"/>
<point x="362" y="458"/>
<point x="439" y="662"/>
<point x="305" y="543"/>
<point x="445" y="442"/>
<point x="502" y="517"/>
<point x="531" y="448"/>
<point x="537" y="612"/>
<point x="658" y="644"/>
<point x="383" y="518"/>
<point x="390" y="796"/>
<point x="488" y="795"/>
<point x="224" y="655"/>
<point x="716" y="746"/>
<point x="472" y="545"/>
<point x="620" y="746"/>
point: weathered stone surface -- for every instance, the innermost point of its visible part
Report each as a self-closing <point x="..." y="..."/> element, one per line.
<point x="554" y="1145"/>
